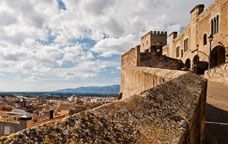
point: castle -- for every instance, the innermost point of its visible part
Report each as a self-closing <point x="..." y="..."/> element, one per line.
<point x="192" y="46"/>
<point x="160" y="102"/>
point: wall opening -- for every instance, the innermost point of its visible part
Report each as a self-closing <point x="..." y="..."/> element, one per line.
<point x="199" y="67"/>
<point x="205" y="39"/>
<point x="6" y="130"/>
<point x="186" y="45"/>
<point x="195" y="63"/>
<point x="218" y="56"/>
<point x="177" y="51"/>
<point x="188" y="64"/>
<point x="215" y="25"/>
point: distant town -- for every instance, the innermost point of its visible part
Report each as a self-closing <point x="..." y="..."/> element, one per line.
<point x="19" y="111"/>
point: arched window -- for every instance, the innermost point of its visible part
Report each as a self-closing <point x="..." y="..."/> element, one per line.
<point x="217" y="23"/>
<point x="177" y="51"/>
<point x="205" y="39"/>
<point x="186" y="44"/>
<point x="214" y="26"/>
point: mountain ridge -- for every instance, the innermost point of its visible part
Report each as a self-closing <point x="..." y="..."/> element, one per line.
<point x="113" y="89"/>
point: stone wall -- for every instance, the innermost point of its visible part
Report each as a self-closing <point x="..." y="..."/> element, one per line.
<point x="13" y="126"/>
<point x="218" y="74"/>
<point x="134" y="80"/>
<point x="149" y="59"/>
<point x="169" y="113"/>
<point x="131" y="58"/>
<point x="159" y="61"/>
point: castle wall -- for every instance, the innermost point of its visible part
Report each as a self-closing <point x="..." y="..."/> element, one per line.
<point x="134" y="80"/>
<point x="131" y="58"/>
<point x="158" y="61"/>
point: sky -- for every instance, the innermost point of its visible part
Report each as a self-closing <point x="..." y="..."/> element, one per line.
<point x="55" y="44"/>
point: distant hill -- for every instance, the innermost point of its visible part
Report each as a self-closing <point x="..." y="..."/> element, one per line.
<point x="114" y="89"/>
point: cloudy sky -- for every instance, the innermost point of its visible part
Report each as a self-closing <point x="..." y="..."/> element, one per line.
<point x="55" y="44"/>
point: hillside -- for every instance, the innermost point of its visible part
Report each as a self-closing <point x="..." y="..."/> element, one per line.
<point x="114" y="89"/>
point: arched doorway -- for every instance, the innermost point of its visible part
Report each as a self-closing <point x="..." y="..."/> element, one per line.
<point x="187" y="64"/>
<point x="198" y="66"/>
<point x="195" y="62"/>
<point x="218" y="56"/>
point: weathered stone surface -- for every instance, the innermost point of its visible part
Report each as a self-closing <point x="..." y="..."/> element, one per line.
<point x="155" y="61"/>
<point x="131" y="57"/>
<point x="169" y="113"/>
<point x="134" y="80"/>
<point x="218" y="74"/>
<point x="134" y="57"/>
<point x="153" y="38"/>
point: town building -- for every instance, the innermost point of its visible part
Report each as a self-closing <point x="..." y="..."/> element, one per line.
<point x="14" y="121"/>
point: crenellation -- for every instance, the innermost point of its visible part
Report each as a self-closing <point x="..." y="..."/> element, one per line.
<point x="153" y="38"/>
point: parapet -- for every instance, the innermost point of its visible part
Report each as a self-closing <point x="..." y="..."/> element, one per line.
<point x="131" y="57"/>
<point x="135" y="80"/>
<point x="153" y="38"/>
<point x="151" y="33"/>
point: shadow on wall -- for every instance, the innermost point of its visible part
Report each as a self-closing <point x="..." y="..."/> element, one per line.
<point x="216" y="125"/>
<point x="159" y="61"/>
<point x="199" y="67"/>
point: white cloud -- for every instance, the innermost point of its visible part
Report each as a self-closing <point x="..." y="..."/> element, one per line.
<point x="7" y="18"/>
<point x="114" y="46"/>
<point x="40" y="40"/>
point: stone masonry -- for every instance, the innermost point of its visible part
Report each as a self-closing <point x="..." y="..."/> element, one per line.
<point x="218" y="74"/>
<point x="192" y="45"/>
<point x="153" y="38"/>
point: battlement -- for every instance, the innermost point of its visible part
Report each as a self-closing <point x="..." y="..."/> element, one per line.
<point x="154" y="33"/>
<point x="153" y="38"/>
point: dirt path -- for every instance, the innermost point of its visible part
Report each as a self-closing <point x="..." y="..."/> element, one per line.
<point x="217" y="114"/>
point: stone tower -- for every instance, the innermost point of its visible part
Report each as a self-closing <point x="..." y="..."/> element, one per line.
<point x="153" y="39"/>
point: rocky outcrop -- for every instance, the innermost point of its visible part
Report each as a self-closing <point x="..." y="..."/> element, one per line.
<point x="169" y="113"/>
<point x="218" y="74"/>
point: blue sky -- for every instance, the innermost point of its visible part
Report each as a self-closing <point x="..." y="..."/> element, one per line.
<point x="56" y="44"/>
